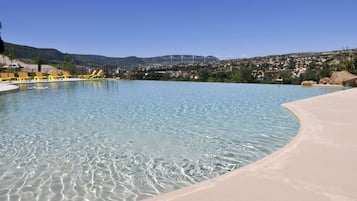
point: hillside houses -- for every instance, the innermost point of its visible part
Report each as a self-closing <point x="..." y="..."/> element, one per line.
<point x="297" y="66"/>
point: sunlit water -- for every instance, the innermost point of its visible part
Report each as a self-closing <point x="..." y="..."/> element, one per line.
<point x="131" y="140"/>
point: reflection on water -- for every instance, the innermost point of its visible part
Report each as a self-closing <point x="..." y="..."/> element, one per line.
<point x="131" y="140"/>
<point x="22" y="87"/>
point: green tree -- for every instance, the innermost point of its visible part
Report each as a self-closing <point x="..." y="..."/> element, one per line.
<point x="325" y="70"/>
<point x="350" y="63"/>
<point x="345" y="58"/>
<point x="236" y="77"/>
<point x="286" y="76"/>
<point x="39" y="61"/>
<point x="292" y="64"/>
<point x="354" y="63"/>
<point x="165" y="76"/>
<point x="69" y="65"/>
<point x="203" y="75"/>
<point x="220" y="76"/>
<point x="312" y="74"/>
<point x="2" y="48"/>
<point x="247" y="74"/>
<point x="129" y="75"/>
<point x="139" y="75"/>
<point x="11" y="53"/>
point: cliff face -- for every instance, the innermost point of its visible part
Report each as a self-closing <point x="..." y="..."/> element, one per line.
<point x="340" y="78"/>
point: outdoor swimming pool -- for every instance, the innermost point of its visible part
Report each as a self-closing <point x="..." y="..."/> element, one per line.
<point x="131" y="140"/>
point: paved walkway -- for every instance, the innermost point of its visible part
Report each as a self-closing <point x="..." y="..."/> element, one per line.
<point x="319" y="164"/>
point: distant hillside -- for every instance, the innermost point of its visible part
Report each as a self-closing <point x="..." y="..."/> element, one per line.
<point x="53" y="56"/>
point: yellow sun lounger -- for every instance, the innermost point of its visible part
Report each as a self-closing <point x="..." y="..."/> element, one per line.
<point x="88" y="76"/>
<point x="66" y="75"/>
<point x="39" y="76"/>
<point x="53" y="75"/>
<point x="98" y="75"/>
<point x="23" y="76"/>
<point x="4" y="76"/>
<point x="12" y="76"/>
<point x="7" y="77"/>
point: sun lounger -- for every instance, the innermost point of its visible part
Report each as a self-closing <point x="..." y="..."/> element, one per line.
<point x="12" y="76"/>
<point x="88" y="76"/>
<point x="7" y="77"/>
<point x="4" y="77"/>
<point x="23" y="76"/>
<point x="53" y="75"/>
<point x="39" y="76"/>
<point x="66" y="75"/>
<point x="98" y="75"/>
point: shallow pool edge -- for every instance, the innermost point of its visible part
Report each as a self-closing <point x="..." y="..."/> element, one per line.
<point x="299" y="170"/>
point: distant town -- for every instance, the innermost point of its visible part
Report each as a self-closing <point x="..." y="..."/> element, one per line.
<point x="287" y="69"/>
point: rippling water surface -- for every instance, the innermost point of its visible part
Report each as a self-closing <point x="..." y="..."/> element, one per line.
<point x="131" y="140"/>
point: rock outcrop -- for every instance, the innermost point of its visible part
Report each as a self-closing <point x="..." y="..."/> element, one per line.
<point x="343" y="78"/>
<point x="350" y="83"/>
<point x="325" y="80"/>
<point x="308" y="83"/>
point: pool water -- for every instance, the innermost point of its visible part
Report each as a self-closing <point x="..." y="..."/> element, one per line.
<point x="131" y="140"/>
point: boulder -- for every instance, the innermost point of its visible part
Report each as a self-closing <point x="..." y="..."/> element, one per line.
<point x="343" y="78"/>
<point x="308" y="83"/>
<point x="325" y="80"/>
<point x="350" y="82"/>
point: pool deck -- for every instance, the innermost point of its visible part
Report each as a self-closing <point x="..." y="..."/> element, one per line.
<point x="319" y="164"/>
<point x="4" y="87"/>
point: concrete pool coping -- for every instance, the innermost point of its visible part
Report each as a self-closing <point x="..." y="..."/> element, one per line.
<point x="320" y="163"/>
<point x="6" y="87"/>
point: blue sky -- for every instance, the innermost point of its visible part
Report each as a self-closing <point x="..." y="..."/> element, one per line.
<point x="145" y="28"/>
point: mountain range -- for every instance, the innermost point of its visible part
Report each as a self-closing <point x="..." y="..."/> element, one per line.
<point x="54" y="56"/>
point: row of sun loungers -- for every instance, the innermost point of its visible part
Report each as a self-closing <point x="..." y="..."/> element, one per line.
<point x="94" y="74"/>
<point x="8" y="76"/>
<point x="22" y="76"/>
